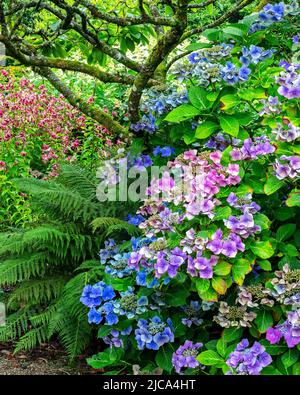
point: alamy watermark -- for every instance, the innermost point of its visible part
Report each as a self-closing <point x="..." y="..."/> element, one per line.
<point x="2" y="314"/>
<point x="2" y="55"/>
<point x="118" y="181"/>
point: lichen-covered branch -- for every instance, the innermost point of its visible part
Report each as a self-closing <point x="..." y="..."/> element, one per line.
<point x="165" y="44"/>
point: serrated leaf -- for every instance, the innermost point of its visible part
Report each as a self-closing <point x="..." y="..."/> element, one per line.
<point x="209" y="296"/>
<point x="202" y="285"/>
<point x="209" y="358"/>
<point x="290" y="357"/>
<point x="219" y="285"/>
<point x="229" y="101"/>
<point x="293" y="199"/>
<point x="285" y="232"/>
<point x="230" y="125"/>
<point x="221" y="213"/>
<point x="264" y="320"/>
<point x="270" y="371"/>
<point x="265" y="265"/>
<point x="272" y="185"/>
<point x="262" y="249"/>
<point x="232" y="334"/>
<point x="222" y="268"/>
<point x="163" y="358"/>
<point x="205" y="129"/>
<point x="221" y="347"/>
<point x="197" y="97"/>
<point x="182" y="113"/>
<point x="262" y="221"/>
<point x="273" y="349"/>
<point x="240" y="268"/>
<point x="296" y="369"/>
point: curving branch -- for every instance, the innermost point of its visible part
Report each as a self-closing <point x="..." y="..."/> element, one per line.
<point x="242" y="4"/>
<point x="128" y="21"/>
<point x="86" y="108"/>
<point x="165" y="44"/>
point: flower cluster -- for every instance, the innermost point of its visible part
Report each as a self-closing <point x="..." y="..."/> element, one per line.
<point x="285" y="284"/>
<point x="135" y="219"/>
<point x="254" y="296"/>
<point x="287" y="166"/>
<point x="95" y="296"/>
<point x="129" y="304"/>
<point x="101" y="299"/>
<point x="255" y="55"/>
<point x="114" y="339"/>
<point x="159" y="102"/>
<point x="30" y="114"/>
<point x="288" y="133"/>
<point x="252" y="149"/>
<point x="213" y="53"/>
<point x="290" y="330"/>
<point x="234" y="316"/>
<point x="221" y="141"/>
<point x="164" y="152"/>
<point x="273" y="13"/>
<point x="232" y="75"/>
<point x="289" y="81"/>
<point x="154" y="333"/>
<point x="192" y="312"/>
<point x="117" y="266"/>
<point x="185" y="356"/>
<point x="245" y="360"/>
<point x="147" y="123"/>
<point x="271" y="106"/>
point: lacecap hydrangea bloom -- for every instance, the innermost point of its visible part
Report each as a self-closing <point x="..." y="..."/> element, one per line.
<point x="185" y="356"/>
<point x="154" y="333"/>
<point x="289" y="330"/>
<point x="245" y="360"/>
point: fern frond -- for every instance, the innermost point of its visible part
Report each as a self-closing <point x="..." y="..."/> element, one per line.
<point x="38" y="291"/>
<point x="32" y="338"/>
<point x="130" y="229"/>
<point x="16" y="324"/>
<point x="15" y="270"/>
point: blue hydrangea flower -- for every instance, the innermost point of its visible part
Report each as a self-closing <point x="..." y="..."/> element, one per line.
<point x="255" y="55"/>
<point x="138" y="242"/>
<point x="273" y="13"/>
<point x="193" y="314"/>
<point x="135" y="219"/>
<point x="153" y="333"/>
<point x="118" y="266"/>
<point x="109" y="251"/>
<point x="147" y="123"/>
<point x="232" y="75"/>
<point x="164" y="152"/>
<point x="143" y="281"/>
<point x="93" y="296"/>
<point x="94" y="316"/>
<point x="129" y="304"/>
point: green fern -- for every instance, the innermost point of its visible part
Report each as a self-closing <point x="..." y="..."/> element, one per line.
<point x="48" y="264"/>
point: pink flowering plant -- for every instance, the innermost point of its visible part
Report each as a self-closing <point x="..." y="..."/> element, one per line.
<point x="38" y="130"/>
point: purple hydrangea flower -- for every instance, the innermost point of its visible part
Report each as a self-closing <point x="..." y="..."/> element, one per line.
<point x="248" y="361"/>
<point x="185" y="356"/>
<point x="290" y="330"/>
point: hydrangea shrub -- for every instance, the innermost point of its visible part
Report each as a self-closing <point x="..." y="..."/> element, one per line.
<point x="212" y="284"/>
